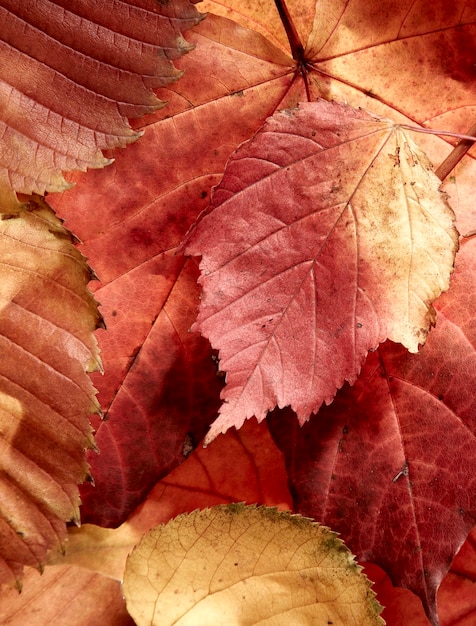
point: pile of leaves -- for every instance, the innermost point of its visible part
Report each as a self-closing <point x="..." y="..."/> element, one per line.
<point x="286" y="270"/>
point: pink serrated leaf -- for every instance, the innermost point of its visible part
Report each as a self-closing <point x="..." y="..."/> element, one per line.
<point x="327" y="235"/>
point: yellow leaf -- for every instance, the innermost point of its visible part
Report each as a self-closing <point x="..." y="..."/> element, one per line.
<point x="47" y="321"/>
<point x="242" y="565"/>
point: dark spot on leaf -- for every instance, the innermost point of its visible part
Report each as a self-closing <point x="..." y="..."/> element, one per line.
<point x="113" y="313"/>
<point x="141" y="236"/>
<point x="203" y="194"/>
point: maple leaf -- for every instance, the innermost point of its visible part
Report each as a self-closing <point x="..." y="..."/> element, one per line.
<point x="240" y="78"/>
<point x="66" y="98"/>
<point x="382" y="457"/>
<point x="47" y="319"/>
<point x="161" y="386"/>
<point x="333" y="236"/>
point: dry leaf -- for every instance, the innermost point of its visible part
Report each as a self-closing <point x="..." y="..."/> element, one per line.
<point x="66" y="97"/>
<point x="237" y="565"/>
<point x="327" y="235"/>
<point x="47" y="319"/>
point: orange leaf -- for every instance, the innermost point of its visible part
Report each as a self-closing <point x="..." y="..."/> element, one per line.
<point x="65" y="595"/>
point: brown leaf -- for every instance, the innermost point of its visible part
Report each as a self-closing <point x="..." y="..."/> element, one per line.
<point x="47" y="319"/>
<point x="239" y="565"/>
<point x="71" y="75"/>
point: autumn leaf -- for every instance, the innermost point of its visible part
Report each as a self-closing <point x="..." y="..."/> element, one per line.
<point x="242" y="565"/>
<point x="47" y="319"/>
<point x="244" y="465"/>
<point x="456" y="598"/>
<point x="239" y="79"/>
<point x="412" y="58"/>
<point x="65" y="98"/>
<point x="161" y="388"/>
<point x="160" y="391"/>
<point x="65" y="595"/>
<point x="332" y="237"/>
<point x="229" y="65"/>
<point x="379" y="464"/>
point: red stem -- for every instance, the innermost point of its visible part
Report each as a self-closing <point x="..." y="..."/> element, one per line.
<point x="297" y="48"/>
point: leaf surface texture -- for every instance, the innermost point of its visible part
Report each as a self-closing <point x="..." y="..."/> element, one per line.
<point x="47" y="319"/>
<point x="327" y="235"/>
<point x="72" y="74"/>
<point x="241" y="565"/>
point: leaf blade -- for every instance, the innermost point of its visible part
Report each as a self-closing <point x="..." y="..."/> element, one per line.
<point x="66" y="98"/>
<point x="316" y="261"/>
<point x="47" y="320"/>
<point x="385" y="450"/>
<point x="245" y="564"/>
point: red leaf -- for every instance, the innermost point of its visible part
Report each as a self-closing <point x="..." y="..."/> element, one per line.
<point x="391" y="463"/>
<point x="326" y="236"/>
<point x="160" y="389"/>
<point x="457" y="595"/>
<point x="161" y="386"/>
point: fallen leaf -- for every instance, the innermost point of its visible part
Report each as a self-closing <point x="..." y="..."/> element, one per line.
<point x="218" y="96"/>
<point x="47" y="320"/>
<point x="327" y="235"/>
<point x="160" y="390"/>
<point x="243" y="565"/>
<point x="64" y="97"/>
<point x="391" y="463"/>
<point x="244" y="465"/>
<point x="457" y="594"/>
<point x="65" y="596"/>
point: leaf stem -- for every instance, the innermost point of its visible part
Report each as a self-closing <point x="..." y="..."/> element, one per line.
<point x="455" y="156"/>
<point x="297" y="48"/>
